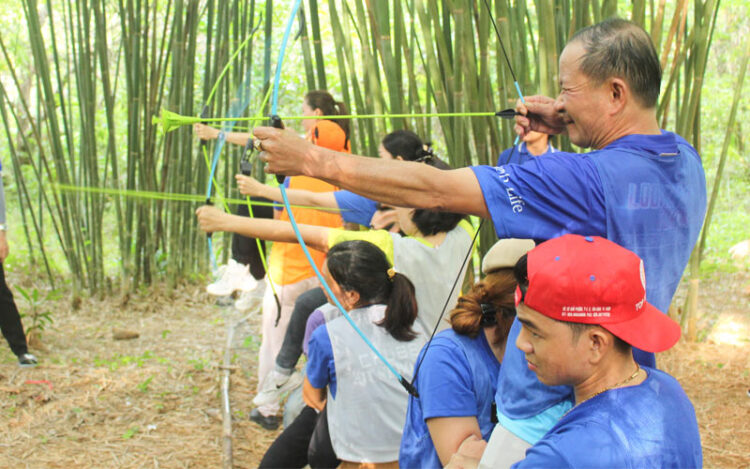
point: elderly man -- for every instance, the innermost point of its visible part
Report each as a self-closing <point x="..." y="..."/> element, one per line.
<point x="641" y="187"/>
<point x="582" y="305"/>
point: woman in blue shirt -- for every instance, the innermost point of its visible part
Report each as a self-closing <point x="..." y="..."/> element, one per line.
<point x="457" y="377"/>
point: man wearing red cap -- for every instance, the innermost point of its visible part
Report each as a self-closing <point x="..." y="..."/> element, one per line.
<point x="582" y="303"/>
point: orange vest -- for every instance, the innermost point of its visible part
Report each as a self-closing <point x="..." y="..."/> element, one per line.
<point x="287" y="261"/>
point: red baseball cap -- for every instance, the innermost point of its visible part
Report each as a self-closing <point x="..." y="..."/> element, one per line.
<point x="592" y="280"/>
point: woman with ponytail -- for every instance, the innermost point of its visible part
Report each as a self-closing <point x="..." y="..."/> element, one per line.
<point x="457" y="378"/>
<point x="344" y="378"/>
<point x="365" y="403"/>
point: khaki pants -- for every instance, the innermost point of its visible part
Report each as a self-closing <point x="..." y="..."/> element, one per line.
<point x="273" y="335"/>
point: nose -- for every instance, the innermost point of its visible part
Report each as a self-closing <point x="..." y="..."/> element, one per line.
<point x="559" y="104"/>
<point x="522" y="341"/>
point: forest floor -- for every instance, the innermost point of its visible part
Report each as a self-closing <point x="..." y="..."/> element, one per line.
<point x="154" y="401"/>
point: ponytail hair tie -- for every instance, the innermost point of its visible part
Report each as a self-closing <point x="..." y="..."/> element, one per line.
<point x="489" y="315"/>
<point x="391" y="273"/>
<point x="425" y="154"/>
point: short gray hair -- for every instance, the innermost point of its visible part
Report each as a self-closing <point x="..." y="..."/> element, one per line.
<point x="617" y="47"/>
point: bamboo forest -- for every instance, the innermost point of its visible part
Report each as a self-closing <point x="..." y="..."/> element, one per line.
<point x="155" y="226"/>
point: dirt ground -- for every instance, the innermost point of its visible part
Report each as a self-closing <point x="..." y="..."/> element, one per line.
<point x="154" y="401"/>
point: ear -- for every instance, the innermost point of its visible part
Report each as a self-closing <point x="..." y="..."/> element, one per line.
<point x="599" y="343"/>
<point x="351" y="298"/>
<point x="317" y="112"/>
<point x="398" y="158"/>
<point x="619" y="94"/>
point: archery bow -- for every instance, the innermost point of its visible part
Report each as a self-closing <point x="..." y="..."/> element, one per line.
<point x="274" y="108"/>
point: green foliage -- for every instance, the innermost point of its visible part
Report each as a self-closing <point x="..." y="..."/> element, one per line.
<point x="130" y="433"/>
<point x="38" y="313"/>
<point x="143" y="386"/>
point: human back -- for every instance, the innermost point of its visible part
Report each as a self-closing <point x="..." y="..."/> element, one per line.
<point x="366" y="403"/>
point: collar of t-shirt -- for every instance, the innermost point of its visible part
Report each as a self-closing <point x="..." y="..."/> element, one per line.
<point x="523" y="148"/>
<point x="663" y="144"/>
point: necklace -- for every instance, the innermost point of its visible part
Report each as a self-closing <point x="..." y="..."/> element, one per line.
<point x="616" y="385"/>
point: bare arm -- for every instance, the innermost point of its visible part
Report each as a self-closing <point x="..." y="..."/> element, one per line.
<point x="448" y="433"/>
<point x="212" y="219"/>
<point x="253" y="187"/>
<point x="205" y="132"/>
<point x="399" y="183"/>
<point x="469" y="454"/>
<point x="313" y="397"/>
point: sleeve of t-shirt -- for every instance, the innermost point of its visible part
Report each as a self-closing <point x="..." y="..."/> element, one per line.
<point x="379" y="238"/>
<point x="503" y="157"/>
<point x="315" y="320"/>
<point x="544" y="197"/>
<point x="445" y="383"/>
<point x="355" y="208"/>
<point x="280" y="206"/>
<point x="321" y="370"/>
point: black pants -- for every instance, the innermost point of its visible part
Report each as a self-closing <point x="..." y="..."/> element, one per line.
<point x="10" y="320"/>
<point x="305" y="441"/>
<point x="244" y="249"/>
<point x="291" y="348"/>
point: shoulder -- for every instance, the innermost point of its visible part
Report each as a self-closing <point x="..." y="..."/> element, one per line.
<point x="447" y="350"/>
<point x="553" y="165"/>
<point x="319" y="338"/>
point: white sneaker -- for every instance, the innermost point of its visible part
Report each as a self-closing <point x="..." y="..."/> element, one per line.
<point x="275" y="386"/>
<point x="234" y="276"/>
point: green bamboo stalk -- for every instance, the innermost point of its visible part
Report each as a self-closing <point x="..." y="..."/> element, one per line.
<point x="306" y="53"/>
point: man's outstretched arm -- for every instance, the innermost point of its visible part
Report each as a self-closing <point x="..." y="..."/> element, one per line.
<point x="400" y="183"/>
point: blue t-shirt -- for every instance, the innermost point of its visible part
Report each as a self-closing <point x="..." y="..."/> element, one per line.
<point x="321" y="370"/>
<point x="649" y="425"/>
<point x="520" y="154"/>
<point x="646" y="193"/>
<point x="457" y="379"/>
<point x="355" y="208"/>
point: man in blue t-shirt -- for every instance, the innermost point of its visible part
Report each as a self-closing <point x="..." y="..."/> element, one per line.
<point x="533" y="144"/>
<point x="582" y="305"/>
<point x="641" y="187"/>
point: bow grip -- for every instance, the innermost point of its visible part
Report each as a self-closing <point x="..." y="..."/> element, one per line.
<point x="204" y="115"/>
<point x="208" y="202"/>
<point x="246" y="167"/>
<point x="276" y="123"/>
